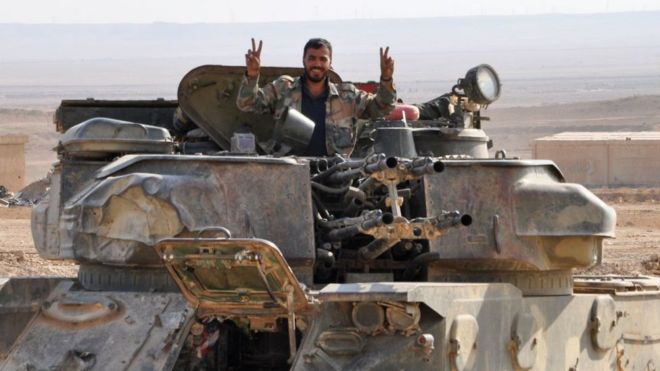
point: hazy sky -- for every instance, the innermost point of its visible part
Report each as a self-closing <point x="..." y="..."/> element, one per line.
<point x="192" y="11"/>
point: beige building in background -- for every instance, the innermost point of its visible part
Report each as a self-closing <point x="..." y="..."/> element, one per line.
<point x="12" y="161"/>
<point x="604" y="159"/>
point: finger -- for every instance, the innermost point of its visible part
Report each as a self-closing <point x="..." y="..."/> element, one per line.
<point x="254" y="46"/>
<point x="387" y="51"/>
<point x="381" y="53"/>
<point x="261" y="43"/>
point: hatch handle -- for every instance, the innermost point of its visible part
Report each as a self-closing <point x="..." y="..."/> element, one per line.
<point x="223" y="230"/>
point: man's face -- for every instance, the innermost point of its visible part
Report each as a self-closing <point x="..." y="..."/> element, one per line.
<point x="317" y="63"/>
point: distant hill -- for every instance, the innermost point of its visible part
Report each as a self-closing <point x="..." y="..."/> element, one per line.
<point x="541" y="58"/>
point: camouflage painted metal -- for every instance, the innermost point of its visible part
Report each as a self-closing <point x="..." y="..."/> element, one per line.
<point x="139" y="200"/>
<point x="532" y="222"/>
<point x="485" y="327"/>
<point x="207" y="95"/>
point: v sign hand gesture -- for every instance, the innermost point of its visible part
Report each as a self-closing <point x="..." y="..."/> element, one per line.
<point x="253" y="59"/>
<point x="386" y="65"/>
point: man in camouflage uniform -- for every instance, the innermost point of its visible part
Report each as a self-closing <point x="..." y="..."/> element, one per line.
<point x="334" y="108"/>
<point x="442" y="107"/>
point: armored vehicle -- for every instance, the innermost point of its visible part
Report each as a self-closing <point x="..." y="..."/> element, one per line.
<point x="205" y="243"/>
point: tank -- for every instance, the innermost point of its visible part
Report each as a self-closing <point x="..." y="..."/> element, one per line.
<point x="204" y="245"/>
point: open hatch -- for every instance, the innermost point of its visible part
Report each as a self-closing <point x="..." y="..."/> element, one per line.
<point x="207" y="95"/>
<point x="241" y="277"/>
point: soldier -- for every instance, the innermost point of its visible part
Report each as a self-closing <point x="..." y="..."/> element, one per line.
<point x="442" y="107"/>
<point x="334" y="108"/>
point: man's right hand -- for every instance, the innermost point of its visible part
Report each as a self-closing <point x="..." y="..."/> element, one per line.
<point x="253" y="59"/>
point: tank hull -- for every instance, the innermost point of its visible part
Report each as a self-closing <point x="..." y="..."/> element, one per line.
<point x="469" y="326"/>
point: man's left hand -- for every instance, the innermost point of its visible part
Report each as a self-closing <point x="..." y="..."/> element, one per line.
<point x="386" y="65"/>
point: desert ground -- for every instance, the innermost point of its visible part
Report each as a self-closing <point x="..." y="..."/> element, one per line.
<point x="635" y="250"/>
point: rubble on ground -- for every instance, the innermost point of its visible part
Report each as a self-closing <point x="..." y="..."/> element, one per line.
<point x="28" y="196"/>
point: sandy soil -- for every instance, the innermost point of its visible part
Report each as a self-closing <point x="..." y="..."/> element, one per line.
<point x="18" y="257"/>
<point x="636" y="248"/>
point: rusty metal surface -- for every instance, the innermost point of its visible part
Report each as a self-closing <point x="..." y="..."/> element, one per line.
<point x="20" y="300"/>
<point x="117" y="218"/>
<point x="103" y="330"/>
<point x="232" y="276"/>
<point x="524" y="217"/>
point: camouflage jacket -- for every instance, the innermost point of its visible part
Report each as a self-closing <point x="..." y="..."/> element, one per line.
<point x="346" y="104"/>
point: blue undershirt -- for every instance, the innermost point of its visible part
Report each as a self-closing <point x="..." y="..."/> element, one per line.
<point x="314" y="108"/>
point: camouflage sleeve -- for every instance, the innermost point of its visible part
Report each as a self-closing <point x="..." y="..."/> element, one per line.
<point x="434" y="109"/>
<point x="373" y="106"/>
<point x="252" y="99"/>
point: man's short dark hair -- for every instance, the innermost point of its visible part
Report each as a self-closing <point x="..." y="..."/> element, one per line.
<point x="317" y="43"/>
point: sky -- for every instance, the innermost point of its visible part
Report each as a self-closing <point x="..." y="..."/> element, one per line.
<point x="232" y="11"/>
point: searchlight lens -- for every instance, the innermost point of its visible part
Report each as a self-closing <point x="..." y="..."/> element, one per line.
<point x="481" y="84"/>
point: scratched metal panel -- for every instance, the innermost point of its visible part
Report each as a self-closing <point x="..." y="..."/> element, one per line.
<point x="524" y="216"/>
<point x="117" y="219"/>
<point x="487" y="327"/>
<point x="137" y="332"/>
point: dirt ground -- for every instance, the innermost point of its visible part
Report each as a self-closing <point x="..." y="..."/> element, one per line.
<point x="635" y="250"/>
<point x="18" y="257"/>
